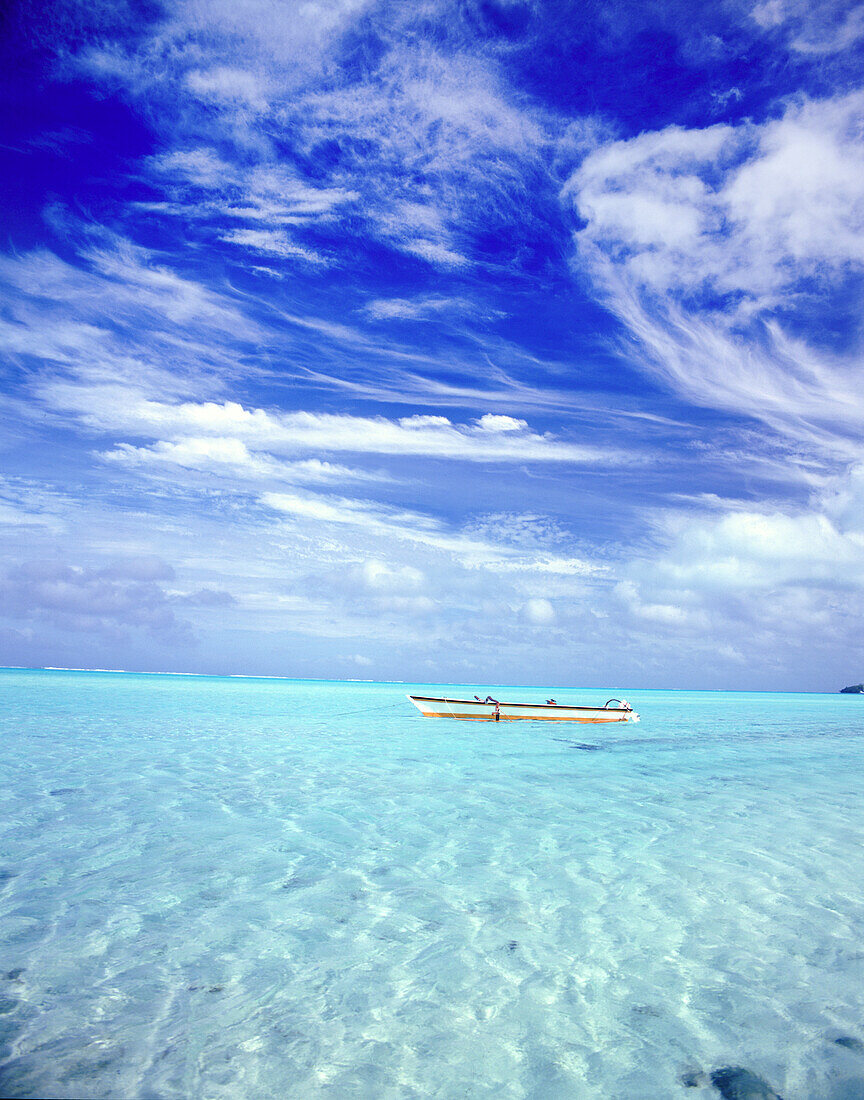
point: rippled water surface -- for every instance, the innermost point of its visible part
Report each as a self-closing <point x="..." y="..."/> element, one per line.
<point x="261" y="888"/>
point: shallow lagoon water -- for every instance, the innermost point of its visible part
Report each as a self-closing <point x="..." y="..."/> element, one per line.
<point x="265" y="888"/>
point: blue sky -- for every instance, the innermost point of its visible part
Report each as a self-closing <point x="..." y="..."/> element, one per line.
<point x="487" y="341"/>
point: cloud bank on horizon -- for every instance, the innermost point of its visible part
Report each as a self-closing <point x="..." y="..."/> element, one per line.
<point x="488" y="340"/>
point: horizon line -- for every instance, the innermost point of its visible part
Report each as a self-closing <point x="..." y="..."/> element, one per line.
<point x="358" y="680"/>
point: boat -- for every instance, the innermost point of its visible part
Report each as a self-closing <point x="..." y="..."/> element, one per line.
<point x="493" y="710"/>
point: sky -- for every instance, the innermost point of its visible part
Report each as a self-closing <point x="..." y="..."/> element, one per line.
<point x="447" y="341"/>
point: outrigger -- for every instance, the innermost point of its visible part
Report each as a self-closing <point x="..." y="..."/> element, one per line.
<point x="492" y="710"/>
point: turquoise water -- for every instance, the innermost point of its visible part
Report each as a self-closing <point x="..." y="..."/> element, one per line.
<point x="262" y="888"/>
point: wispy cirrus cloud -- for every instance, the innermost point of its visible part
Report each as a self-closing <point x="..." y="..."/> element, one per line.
<point x="231" y="458"/>
<point x="122" y="312"/>
<point x="122" y="326"/>
<point x="272" y="243"/>
<point x="361" y="202"/>
<point x="427" y="306"/>
<point x="412" y="527"/>
<point x="827" y="29"/>
<point x="414" y="146"/>
<point x="255" y="205"/>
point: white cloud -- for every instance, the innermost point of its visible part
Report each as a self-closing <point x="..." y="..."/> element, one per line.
<point x="122" y="597"/>
<point x="530" y="530"/>
<point x="665" y="614"/>
<point x="832" y="39"/>
<point x="136" y="275"/>
<point x="126" y="298"/>
<point x="271" y="243"/>
<point x="201" y="167"/>
<point x="436" y="252"/>
<point x="378" y="576"/>
<point x="429" y="139"/>
<point x="112" y="409"/>
<point x="108" y="325"/>
<point x="227" y="457"/>
<point x="710" y="244"/>
<point x="818" y="29"/>
<point x="491" y="422"/>
<point x="743" y="550"/>
<point x="747" y="210"/>
<point x="237" y="37"/>
<point x="469" y="550"/>
<point x="229" y="85"/>
<point x="427" y="306"/>
<point x="203" y="187"/>
<point x="539" y="611"/>
<point x="420" y="229"/>
<point x="758" y="579"/>
<point x="22" y="507"/>
<point x="545" y="563"/>
<point x="705" y="243"/>
<point x="260" y="25"/>
<point x="769" y="13"/>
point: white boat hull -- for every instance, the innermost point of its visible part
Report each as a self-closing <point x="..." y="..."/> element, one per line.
<point x="493" y="711"/>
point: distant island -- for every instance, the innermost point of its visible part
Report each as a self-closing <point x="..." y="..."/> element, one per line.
<point x="855" y="689"/>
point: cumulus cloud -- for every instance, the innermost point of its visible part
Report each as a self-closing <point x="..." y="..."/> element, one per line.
<point x="124" y="597"/>
<point x="743" y="576"/>
<point x="378" y="576"/>
<point x="491" y="439"/>
<point x="715" y="246"/>
<point x="744" y="550"/>
<point x="748" y="210"/>
<point x="492" y="422"/>
<point x="329" y="145"/>
<point x="539" y="611"/>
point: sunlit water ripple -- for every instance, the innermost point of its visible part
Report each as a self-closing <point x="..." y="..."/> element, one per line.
<point x="262" y="888"/>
